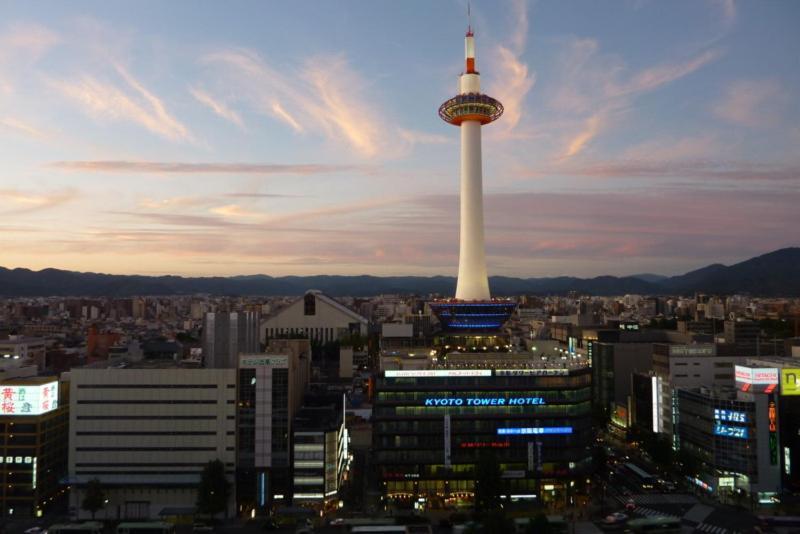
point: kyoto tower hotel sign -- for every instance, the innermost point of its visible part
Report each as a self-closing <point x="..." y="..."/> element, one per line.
<point x="472" y="308"/>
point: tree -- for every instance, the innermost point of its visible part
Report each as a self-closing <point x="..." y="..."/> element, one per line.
<point x="538" y="525"/>
<point x="487" y="482"/>
<point x="93" y="498"/>
<point x="214" y="489"/>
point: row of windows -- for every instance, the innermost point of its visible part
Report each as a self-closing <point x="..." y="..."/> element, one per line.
<point x="148" y="401"/>
<point x="167" y="433"/>
<point x="154" y="417"/>
<point x="530" y="411"/>
<point x="549" y="396"/>
<point x="474" y="426"/>
<point x="144" y="464"/>
<point x="167" y="473"/>
<point x="152" y="386"/>
<point x="133" y="449"/>
<point x="485" y="383"/>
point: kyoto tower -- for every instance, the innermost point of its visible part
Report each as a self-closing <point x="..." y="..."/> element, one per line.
<point x="472" y="308"/>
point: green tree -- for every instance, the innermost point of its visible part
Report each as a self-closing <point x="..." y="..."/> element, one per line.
<point x="659" y="448"/>
<point x="93" y="498"/>
<point x="689" y="464"/>
<point x="214" y="489"/>
<point x="487" y="482"/>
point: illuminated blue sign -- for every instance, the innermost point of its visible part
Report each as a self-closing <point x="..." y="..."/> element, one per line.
<point x="491" y="401"/>
<point x="730" y="415"/>
<point x="536" y="430"/>
<point x="731" y="431"/>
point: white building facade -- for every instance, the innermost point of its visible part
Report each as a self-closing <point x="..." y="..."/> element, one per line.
<point x="147" y="434"/>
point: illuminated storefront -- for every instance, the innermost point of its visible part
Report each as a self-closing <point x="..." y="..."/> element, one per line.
<point x="430" y="427"/>
<point x="33" y="445"/>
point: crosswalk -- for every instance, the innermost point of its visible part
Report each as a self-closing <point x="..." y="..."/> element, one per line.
<point x="713" y="529"/>
<point x="664" y="498"/>
<point x="649" y="512"/>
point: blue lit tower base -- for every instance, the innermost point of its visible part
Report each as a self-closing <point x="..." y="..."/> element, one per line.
<point x="473" y="316"/>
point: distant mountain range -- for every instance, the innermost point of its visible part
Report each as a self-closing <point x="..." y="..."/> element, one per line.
<point x="773" y="274"/>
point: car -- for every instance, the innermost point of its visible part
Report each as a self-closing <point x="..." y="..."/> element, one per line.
<point x="615" y="518"/>
<point x="336" y="522"/>
<point x="35" y="530"/>
<point x="630" y="505"/>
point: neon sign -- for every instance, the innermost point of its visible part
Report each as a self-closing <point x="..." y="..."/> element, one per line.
<point x="535" y="430"/>
<point x="493" y="401"/>
<point x="438" y="373"/>
<point x="485" y="444"/>
<point x="28" y="400"/>
<point x="731" y="431"/>
<point x="729" y="415"/>
<point x="772" y="413"/>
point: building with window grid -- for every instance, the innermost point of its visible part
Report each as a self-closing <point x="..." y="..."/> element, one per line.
<point x="34" y="418"/>
<point x="430" y="425"/>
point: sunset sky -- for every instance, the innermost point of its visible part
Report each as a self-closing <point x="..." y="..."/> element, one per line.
<point x="222" y="138"/>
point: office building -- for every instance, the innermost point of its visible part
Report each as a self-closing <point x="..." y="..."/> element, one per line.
<point x="34" y="419"/>
<point x="21" y="347"/>
<point x="319" y="453"/>
<point x="146" y="432"/>
<point x="228" y="334"/>
<point x="271" y="389"/>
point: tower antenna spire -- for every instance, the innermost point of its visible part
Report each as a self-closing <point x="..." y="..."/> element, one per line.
<point x="469" y="19"/>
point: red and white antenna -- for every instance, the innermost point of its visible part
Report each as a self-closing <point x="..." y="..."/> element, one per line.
<point x="469" y="43"/>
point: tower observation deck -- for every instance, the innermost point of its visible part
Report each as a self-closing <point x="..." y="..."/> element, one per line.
<point x="472" y="308"/>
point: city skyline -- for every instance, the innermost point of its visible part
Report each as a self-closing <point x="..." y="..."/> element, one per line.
<point x="304" y="139"/>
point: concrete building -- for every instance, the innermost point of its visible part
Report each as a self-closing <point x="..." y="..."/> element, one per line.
<point x="688" y="366"/>
<point x="146" y="433"/>
<point x="316" y="316"/>
<point x="33" y="445"/>
<point x="24" y="347"/>
<point x="270" y="391"/>
<point x="228" y="334"/>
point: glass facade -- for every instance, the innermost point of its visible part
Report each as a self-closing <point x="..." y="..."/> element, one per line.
<point x="429" y="431"/>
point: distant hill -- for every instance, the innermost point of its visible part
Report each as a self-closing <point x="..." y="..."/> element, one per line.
<point x="773" y="274"/>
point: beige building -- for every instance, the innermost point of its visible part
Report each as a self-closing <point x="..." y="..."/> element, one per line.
<point x="21" y="347"/>
<point x="317" y="316"/>
<point x="147" y="433"/>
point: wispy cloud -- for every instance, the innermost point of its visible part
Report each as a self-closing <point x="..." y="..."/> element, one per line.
<point x="513" y="80"/>
<point x="753" y="103"/>
<point x="130" y="101"/>
<point x="23" y="127"/>
<point x="26" y="201"/>
<point x="326" y="95"/>
<point x="216" y="106"/>
<point x="416" y="137"/>
<point x="235" y="211"/>
<point x="577" y="143"/>
<point x="31" y="40"/>
<point x="164" y="167"/>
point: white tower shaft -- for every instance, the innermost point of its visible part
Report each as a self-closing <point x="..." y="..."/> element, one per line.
<point x="473" y="281"/>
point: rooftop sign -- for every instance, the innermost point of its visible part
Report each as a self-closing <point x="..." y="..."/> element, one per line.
<point x="756" y="375"/>
<point x="28" y="400"/>
<point x="255" y="360"/>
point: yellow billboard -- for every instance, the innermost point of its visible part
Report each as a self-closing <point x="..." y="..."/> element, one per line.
<point x="790" y="381"/>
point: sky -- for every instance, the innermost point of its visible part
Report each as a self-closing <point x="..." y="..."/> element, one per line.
<point x="280" y="137"/>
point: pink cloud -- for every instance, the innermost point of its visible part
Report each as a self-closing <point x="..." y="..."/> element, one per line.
<point x="753" y="103"/>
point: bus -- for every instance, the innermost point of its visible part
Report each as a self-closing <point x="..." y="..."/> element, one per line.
<point x="646" y="480"/>
<point x="155" y="527"/>
<point x="662" y="525"/>
<point x="89" y="527"/>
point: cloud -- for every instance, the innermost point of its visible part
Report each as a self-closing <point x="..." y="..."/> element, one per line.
<point x="27" y="201"/>
<point x="326" y="95"/>
<point x="753" y="103"/>
<point x="164" y="167"/>
<point x="30" y="40"/>
<point x="234" y="210"/>
<point x="132" y="102"/>
<point x="727" y="8"/>
<point x="579" y="141"/>
<point x="216" y="106"/>
<point x="512" y="79"/>
<point x="261" y="195"/>
<point x="23" y="127"/>
<point x="414" y="137"/>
